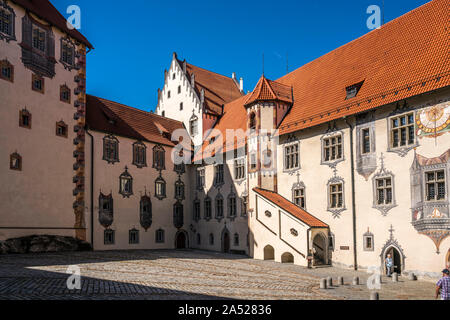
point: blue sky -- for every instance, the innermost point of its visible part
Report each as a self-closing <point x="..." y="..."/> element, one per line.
<point x="134" y="40"/>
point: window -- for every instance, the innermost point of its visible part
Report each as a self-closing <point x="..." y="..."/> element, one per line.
<point x="267" y="158"/>
<point x="7" y="70"/>
<point x="67" y="53"/>
<point x="179" y="190"/>
<point x="365" y="143"/>
<point x="236" y="239"/>
<point x="218" y="174"/>
<point x="15" y="162"/>
<point x="299" y="197"/>
<point x="193" y="126"/>
<point x="110" y="149"/>
<point x="61" y="129"/>
<point x="368" y="241"/>
<point x="336" y="196"/>
<point x="332" y="148"/>
<point x="173" y="76"/>
<point x="384" y="190"/>
<point x="239" y="169"/>
<point x="232" y="208"/>
<point x="38" y="38"/>
<point x="200" y="178"/>
<point x="37" y="83"/>
<point x="126" y="184"/>
<point x="168" y="94"/>
<point x="196" y="210"/>
<point x="244" y="206"/>
<point x="178" y="219"/>
<point x="139" y="154"/>
<point x="145" y="207"/>
<point x="64" y="94"/>
<point x="181" y="106"/>
<point x="7" y="21"/>
<point x="291" y="156"/>
<point x="253" y="162"/>
<point x="252" y="122"/>
<point x="105" y="210"/>
<point x="133" y="236"/>
<point x="199" y="239"/>
<point x="163" y="114"/>
<point x="402" y="130"/>
<point x="25" y="119"/>
<point x="208" y="209"/>
<point x="435" y="185"/>
<point x="159" y="155"/>
<point x="179" y="89"/>
<point x="160" y="188"/>
<point x="219" y="207"/>
<point x="211" y="239"/>
<point x="159" y="236"/>
<point x="109" y="236"/>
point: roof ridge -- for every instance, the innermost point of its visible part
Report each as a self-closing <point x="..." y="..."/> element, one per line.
<point x="360" y="37"/>
<point x="216" y="73"/>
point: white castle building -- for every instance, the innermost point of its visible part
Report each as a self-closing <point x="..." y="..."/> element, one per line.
<point x="340" y="162"/>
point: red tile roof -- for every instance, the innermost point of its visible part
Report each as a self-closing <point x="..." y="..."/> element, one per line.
<point x="291" y="208"/>
<point x="406" y="57"/>
<point x="218" y="89"/>
<point x="118" y="119"/>
<point x="46" y="11"/>
<point x="267" y="90"/>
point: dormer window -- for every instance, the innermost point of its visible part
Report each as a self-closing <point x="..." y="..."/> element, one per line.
<point x="352" y="91"/>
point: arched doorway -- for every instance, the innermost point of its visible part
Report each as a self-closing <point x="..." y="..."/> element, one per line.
<point x="397" y="259"/>
<point x="320" y="249"/>
<point x="269" y="253"/>
<point x="181" y="240"/>
<point x="225" y="241"/>
<point x="287" y="258"/>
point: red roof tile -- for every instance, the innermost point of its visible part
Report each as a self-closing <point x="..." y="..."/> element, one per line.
<point x="267" y="90"/>
<point x="218" y="89"/>
<point x="291" y="208"/>
<point x="115" y="118"/>
<point x="404" y="58"/>
<point x="46" y="11"/>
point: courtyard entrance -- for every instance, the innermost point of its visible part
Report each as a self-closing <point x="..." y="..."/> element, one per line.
<point x="181" y="241"/>
<point x="319" y="250"/>
<point x="396" y="258"/>
<point x="226" y="241"/>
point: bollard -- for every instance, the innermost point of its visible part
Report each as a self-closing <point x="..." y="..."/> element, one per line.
<point x="341" y="281"/>
<point x="395" y="277"/>
<point x="374" y="296"/>
<point x="323" y="283"/>
<point x="329" y="282"/>
<point x="412" y="276"/>
<point x="355" y="281"/>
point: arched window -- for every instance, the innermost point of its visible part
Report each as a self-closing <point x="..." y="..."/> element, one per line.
<point x="159" y="155"/>
<point x="232" y="208"/>
<point x="252" y="123"/>
<point x="219" y="206"/>
<point x="179" y="190"/>
<point x="160" y="188"/>
<point x="178" y="219"/>
<point x="126" y="184"/>
<point x="110" y="149"/>
<point x="139" y="154"/>
<point x="145" y="212"/>
<point x="197" y="210"/>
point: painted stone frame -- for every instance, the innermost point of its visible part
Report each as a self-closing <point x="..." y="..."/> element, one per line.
<point x="110" y="141"/>
<point x="382" y="174"/>
<point x="145" y="212"/>
<point x="232" y="197"/>
<point x="207" y="203"/>
<point x="332" y="132"/>
<point x="366" y="163"/>
<point x="219" y="199"/>
<point x="15" y="162"/>
<point x="5" y="64"/>
<point x="163" y="194"/>
<point x="336" y="211"/>
<point x="106" y="210"/>
<point x="400" y="111"/>
<point x="368" y="235"/>
<point x="139" y="146"/>
<point x="178" y="215"/>
<point x="68" y="43"/>
<point x="291" y="140"/>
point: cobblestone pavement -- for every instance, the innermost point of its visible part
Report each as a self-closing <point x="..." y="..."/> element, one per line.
<point x="189" y="274"/>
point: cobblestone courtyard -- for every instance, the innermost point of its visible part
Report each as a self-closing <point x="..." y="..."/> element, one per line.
<point x="186" y="274"/>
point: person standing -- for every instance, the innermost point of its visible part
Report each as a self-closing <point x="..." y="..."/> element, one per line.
<point x="389" y="265"/>
<point x="443" y="285"/>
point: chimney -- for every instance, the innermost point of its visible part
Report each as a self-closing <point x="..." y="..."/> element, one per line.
<point x="233" y="76"/>
<point x="241" y="84"/>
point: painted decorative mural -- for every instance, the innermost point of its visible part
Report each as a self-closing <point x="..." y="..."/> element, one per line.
<point x="433" y="121"/>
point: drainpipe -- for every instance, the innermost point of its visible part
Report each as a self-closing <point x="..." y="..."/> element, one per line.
<point x="352" y="166"/>
<point x="92" y="187"/>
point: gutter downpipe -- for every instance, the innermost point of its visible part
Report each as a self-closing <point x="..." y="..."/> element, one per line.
<point x="352" y="165"/>
<point x="92" y="188"/>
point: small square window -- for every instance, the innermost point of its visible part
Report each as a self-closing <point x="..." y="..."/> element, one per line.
<point x="133" y="236"/>
<point x="7" y="71"/>
<point x="25" y="119"/>
<point x="37" y="83"/>
<point x="15" y="162"/>
<point x="61" y="129"/>
<point x="159" y="236"/>
<point x="109" y="237"/>
<point x="64" y="94"/>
